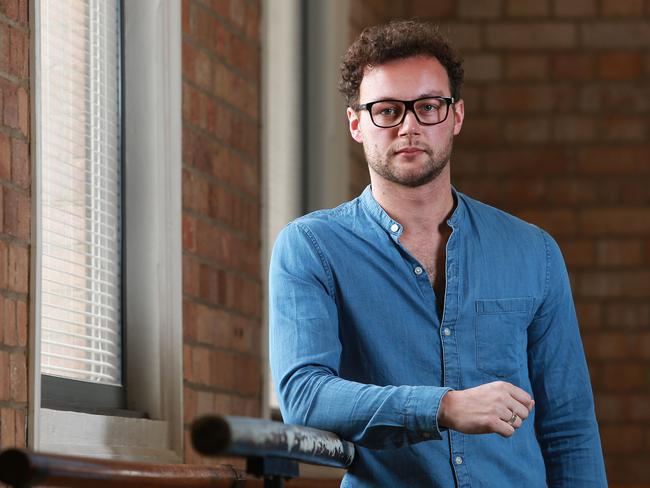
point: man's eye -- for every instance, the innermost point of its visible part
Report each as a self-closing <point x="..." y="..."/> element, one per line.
<point x="429" y="107"/>
<point x="388" y="111"/>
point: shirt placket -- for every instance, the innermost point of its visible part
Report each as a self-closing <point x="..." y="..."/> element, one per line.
<point x="450" y="351"/>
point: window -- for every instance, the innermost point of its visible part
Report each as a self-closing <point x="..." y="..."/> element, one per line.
<point x="123" y="254"/>
<point x="81" y="315"/>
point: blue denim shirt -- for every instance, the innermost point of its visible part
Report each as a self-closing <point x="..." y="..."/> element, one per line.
<point x="359" y="347"/>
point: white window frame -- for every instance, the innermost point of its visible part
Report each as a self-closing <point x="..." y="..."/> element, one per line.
<point x="152" y="229"/>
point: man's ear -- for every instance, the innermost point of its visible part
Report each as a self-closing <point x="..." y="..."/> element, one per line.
<point x="459" y="115"/>
<point x="354" y="122"/>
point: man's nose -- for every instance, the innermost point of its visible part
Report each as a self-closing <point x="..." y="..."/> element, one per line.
<point x="410" y="124"/>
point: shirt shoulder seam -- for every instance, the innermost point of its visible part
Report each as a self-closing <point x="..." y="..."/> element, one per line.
<point x="326" y="267"/>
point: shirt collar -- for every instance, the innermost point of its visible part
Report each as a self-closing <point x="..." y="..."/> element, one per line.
<point x="395" y="228"/>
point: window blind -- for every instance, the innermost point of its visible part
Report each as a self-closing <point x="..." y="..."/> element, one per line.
<point x="80" y="89"/>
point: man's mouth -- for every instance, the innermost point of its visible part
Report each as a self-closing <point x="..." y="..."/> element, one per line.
<point x="410" y="150"/>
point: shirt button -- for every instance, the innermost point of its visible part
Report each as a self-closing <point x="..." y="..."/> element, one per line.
<point x="458" y="460"/>
<point x="418" y="270"/>
<point x="446" y="331"/>
<point x="394" y="228"/>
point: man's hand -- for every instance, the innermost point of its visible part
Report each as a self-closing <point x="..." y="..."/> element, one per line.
<point x="485" y="409"/>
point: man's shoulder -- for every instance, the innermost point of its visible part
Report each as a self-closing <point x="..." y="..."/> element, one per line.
<point x="327" y="219"/>
<point x="495" y="218"/>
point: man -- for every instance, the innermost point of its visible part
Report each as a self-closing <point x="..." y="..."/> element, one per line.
<point x="436" y="333"/>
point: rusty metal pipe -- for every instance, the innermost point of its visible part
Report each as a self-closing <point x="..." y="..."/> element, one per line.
<point x="22" y="468"/>
<point x="243" y="436"/>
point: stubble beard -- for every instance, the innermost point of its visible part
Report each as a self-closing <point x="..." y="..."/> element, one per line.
<point x="412" y="174"/>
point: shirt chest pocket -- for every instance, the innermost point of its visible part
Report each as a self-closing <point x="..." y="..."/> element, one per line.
<point x="501" y="334"/>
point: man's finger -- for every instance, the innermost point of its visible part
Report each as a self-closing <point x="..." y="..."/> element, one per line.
<point x="521" y="396"/>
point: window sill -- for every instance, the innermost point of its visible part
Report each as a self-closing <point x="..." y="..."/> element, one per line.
<point x="106" y="437"/>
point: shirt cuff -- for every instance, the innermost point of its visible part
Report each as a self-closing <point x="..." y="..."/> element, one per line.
<point x="422" y="411"/>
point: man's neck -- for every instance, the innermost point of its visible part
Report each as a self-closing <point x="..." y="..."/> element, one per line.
<point x="420" y="210"/>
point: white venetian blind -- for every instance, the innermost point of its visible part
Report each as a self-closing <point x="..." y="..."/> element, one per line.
<point x="81" y="198"/>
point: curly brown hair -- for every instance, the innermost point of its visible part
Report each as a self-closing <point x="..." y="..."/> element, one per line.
<point x="397" y="39"/>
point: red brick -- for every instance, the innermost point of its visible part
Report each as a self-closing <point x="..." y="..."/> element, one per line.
<point x="573" y="66"/>
<point x="7" y="427"/>
<point x="620" y="66"/>
<point x="248" y="375"/>
<point x="526" y="67"/>
<point x="480" y="130"/>
<point x="557" y="222"/>
<point x="543" y="161"/>
<point x="620" y="252"/>
<point x="190" y="276"/>
<point x="22" y="322"/>
<point x="5" y="377"/>
<point x="627" y="314"/>
<point x="253" y="22"/>
<point x="464" y="36"/>
<point x="622" y="439"/>
<point x="8" y="312"/>
<point x="590" y="314"/>
<point x="624" y="128"/>
<point x="632" y="407"/>
<point x="527" y="130"/>
<point x="20" y="163"/>
<point x="221" y="371"/>
<point x="628" y="377"/>
<point x="189" y="405"/>
<point x="524" y="191"/>
<point x="527" y="8"/>
<point x="525" y="35"/>
<point x="19" y="54"/>
<point x="615" y="34"/>
<point x="619" y="160"/>
<point x="426" y="9"/>
<point x="612" y="98"/>
<point x="479" y="9"/>
<point x="16" y="214"/>
<point x="185" y="18"/>
<point x="524" y="98"/>
<point x="18" y="365"/>
<point x="248" y="407"/>
<point x="575" y="128"/>
<point x="571" y="191"/>
<point x="578" y="252"/>
<point x="574" y="8"/>
<point x="5" y="156"/>
<point x="9" y="8"/>
<point x="622" y="8"/>
<point x="18" y="269"/>
<point x="617" y="345"/>
<point x="616" y="284"/>
<point x="21" y="428"/>
<point x="10" y="109"/>
<point x="482" y="67"/>
<point x="615" y="221"/>
<point x="219" y="287"/>
<point x="4" y="264"/>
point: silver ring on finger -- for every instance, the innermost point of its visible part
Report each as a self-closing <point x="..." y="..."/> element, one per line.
<point x="513" y="419"/>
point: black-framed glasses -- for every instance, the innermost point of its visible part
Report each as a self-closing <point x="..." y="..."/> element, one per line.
<point x="391" y="113"/>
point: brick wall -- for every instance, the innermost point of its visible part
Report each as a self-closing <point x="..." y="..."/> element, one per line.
<point x="221" y="209"/>
<point x="15" y="187"/>
<point x="558" y="132"/>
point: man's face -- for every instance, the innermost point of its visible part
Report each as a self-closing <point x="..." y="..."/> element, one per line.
<point x="409" y="154"/>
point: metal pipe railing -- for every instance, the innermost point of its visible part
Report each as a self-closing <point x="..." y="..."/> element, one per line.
<point x="272" y="449"/>
<point x="21" y="468"/>
<point x="251" y="437"/>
